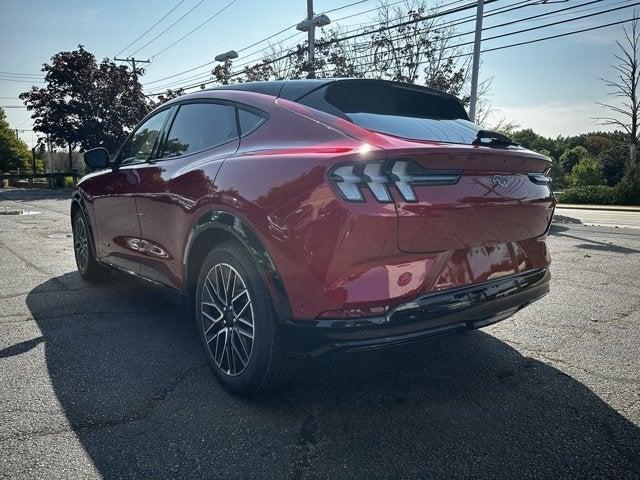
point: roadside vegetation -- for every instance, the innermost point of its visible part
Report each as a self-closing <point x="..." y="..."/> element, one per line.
<point x="588" y="168"/>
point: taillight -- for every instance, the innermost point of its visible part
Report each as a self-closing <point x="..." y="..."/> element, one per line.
<point x="379" y="176"/>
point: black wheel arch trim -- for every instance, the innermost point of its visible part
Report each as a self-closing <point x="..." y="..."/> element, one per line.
<point x="238" y="228"/>
<point x="79" y="200"/>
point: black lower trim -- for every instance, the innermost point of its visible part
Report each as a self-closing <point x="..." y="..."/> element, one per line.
<point x="430" y="315"/>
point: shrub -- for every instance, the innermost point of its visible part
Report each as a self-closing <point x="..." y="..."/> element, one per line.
<point x="588" y="171"/>
<point x="624" y="193"/>
<point x="595" y="194"/>
<point x="570" y="158"/>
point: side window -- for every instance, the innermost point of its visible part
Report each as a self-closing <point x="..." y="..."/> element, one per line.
<point x="198" y="126"/>
<point x="139" y="147"/>
<point x="248" y="121"/>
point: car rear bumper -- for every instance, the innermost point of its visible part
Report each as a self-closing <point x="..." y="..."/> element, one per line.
<point x="429" y="315"/>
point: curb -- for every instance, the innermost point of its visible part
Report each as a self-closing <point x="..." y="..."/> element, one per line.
<point x="611" y="208"/>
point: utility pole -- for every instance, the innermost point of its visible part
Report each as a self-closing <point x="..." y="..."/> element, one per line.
<point x="309" y="25"/>
<point x="50" y="150"/>
<point x="311" y="37"/>
<point x="473" y="101"/>
<point x="132" y="61"/>
<point x="17" y="134"/>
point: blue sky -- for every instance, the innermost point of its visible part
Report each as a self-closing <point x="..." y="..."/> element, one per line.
<point x="550" y="86"/>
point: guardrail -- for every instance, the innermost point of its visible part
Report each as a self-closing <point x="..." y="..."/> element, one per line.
<point x="51" y="177"/>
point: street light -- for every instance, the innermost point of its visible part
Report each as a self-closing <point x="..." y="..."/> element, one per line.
<point x="309" y="25"/>
<point x="316" y="21"/>
<point x="223" y="57"/>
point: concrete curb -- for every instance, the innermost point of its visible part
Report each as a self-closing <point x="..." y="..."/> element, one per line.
<point x="611" y="208"/>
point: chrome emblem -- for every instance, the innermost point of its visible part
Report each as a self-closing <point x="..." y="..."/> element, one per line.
<point x="500" y="180"/>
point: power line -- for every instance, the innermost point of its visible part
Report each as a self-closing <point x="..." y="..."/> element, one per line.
<point x="206" y="75"/>
<point x="170" y="26"/>
<point x="197" y="28"/>
<point x="561" y="35"/>
<point x="559" y="22"/>
<point x="16" y="74"/>
<point x="466" y="19"/>
<point x="275" y="35"/>
<point x="517" y="31"/>
<point x="2" y="79"/>
<point x="151" y="27"/>
<point x="367" y="25"/>
<point x="382" y="29"/>
<point x="345" y="6"/>
<point x="349" y="37"/>
<point x="511" y="22"/>
<point x="526" y="42"/>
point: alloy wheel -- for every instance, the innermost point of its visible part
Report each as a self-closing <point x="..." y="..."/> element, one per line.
<point x="227" y="319"/>
<point x="81" y="243"/>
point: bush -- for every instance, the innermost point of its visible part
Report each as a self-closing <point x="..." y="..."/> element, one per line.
<point x="68" y="181"/>
<point x="588" y="171"/>
<point x="624" y="193"/>
<point x="570" y="158"/>
<point x="595" y="194"/>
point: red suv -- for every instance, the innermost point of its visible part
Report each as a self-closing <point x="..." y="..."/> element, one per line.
<point x="300" y="217"/>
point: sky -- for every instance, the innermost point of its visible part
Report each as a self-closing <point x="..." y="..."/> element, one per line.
<point x="552" y="87"/>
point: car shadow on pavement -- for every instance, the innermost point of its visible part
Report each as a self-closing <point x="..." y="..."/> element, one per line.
<point x="591" y="244"/>
<point x="127" y="369"/>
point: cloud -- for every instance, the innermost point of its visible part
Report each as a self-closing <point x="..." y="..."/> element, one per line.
<point x="556" y="118"/>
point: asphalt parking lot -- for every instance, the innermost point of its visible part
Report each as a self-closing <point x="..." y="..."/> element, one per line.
<point x="108" y="381"/>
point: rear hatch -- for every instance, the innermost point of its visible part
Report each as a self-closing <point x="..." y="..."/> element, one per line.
<point x="454" y="185"/>
<point x="499" y="197"/>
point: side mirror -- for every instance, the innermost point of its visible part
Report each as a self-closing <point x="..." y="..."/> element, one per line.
<point x="97" y="158"/>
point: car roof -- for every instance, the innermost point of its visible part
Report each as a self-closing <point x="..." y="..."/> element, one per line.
<point x="295" y="89"/>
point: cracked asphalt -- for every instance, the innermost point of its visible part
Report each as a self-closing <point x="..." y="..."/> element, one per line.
<point x="107" y="381"/>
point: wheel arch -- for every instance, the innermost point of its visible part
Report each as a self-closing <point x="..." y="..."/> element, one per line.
<point x="78" y="203"/>
<point x="217" y="227"/>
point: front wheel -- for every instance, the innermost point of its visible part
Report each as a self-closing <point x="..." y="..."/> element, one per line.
<point x="88" y="266"/>
<point x="236" y="324"/>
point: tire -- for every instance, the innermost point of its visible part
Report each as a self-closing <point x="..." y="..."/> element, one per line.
<point x="83" y="248"/>
<point x="240" y="340"/>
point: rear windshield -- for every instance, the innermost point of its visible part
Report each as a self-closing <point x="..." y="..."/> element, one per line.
<point x="416" y="128"/>
<point x="397" y="110"/>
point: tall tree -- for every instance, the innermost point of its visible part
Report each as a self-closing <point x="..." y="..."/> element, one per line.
<point x="626" y="115"/>
<point x="85" y="104"/>
<point x="14" y="153"/>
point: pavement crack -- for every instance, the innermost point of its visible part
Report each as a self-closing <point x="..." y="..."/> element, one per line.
<point x="141" y="413"/>
<point x="29" y="263"/>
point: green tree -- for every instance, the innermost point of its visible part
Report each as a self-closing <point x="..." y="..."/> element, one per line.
<point x="168" y="95"/>
<point x="85" y="104"/>
<point x="14" y="153"/>
<point x="588" y="171"/>
<point x="570" y="158"/>
<point x="613" y="162"/>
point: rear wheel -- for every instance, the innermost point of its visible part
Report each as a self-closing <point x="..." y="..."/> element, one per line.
<point x="237" y="325"/>
<point x="88" y="266"/>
